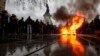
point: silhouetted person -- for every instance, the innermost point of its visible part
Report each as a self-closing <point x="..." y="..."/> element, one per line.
<point x="13" y="24"/>
<point x="41" y="27"/>
<point x="29" y="22"/>
<point x="95" y="24"/>
<point x="4" y="17"/>
<point x="37" y="27"/>
<point x="21" y="26"/>
<point x="3" y="20"/>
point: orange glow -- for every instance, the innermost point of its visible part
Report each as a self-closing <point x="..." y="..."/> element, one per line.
<point x="68" y="34"/>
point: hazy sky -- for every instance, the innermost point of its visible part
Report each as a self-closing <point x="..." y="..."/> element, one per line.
<point x="33" y="8"/>
<point x="36" y="8"/>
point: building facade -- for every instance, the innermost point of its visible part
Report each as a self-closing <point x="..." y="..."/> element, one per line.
<point x="47" y="16"/>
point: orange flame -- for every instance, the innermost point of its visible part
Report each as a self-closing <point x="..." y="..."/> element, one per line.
<point x="68" y="34"/>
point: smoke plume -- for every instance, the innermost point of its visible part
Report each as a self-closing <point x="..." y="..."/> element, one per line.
<point x="88" y="7"/>
<point x="62" y="14"/>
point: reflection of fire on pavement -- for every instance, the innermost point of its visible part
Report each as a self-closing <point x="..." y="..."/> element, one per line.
<point x="58" y="50"/>
<point x="68" y="34"/>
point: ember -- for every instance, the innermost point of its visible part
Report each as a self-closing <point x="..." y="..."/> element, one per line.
<point x="68" y="34"/>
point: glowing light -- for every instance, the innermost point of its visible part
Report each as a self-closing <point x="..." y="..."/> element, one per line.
<point x="68" y="34"/>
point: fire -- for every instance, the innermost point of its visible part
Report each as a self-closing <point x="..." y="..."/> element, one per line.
<point x="68" y="34"/>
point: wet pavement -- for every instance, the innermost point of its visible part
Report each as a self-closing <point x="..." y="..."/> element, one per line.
<point x="42" y="48"/>
<point x="20" y="48"/>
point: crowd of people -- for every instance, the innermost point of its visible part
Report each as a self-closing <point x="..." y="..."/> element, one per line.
<point x="13" y="25"/>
